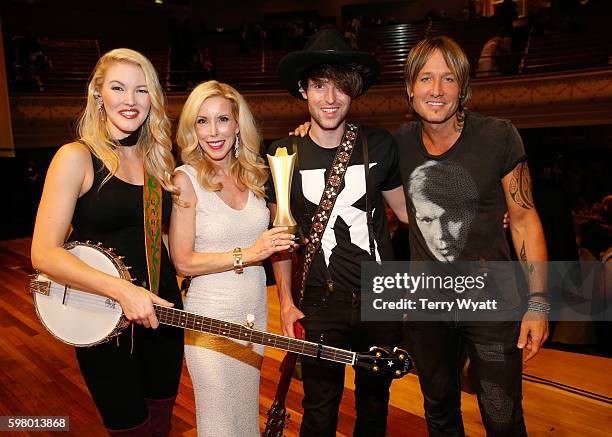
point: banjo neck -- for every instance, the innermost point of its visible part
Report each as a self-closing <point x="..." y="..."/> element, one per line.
<point x="67" y="314"/>
<point x="195" y="322"/>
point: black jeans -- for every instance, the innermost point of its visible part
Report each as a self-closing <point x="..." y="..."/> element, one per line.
<point x="496" y="370"/>
<point x="338" y="319"/>
<point x="120" y="379"/>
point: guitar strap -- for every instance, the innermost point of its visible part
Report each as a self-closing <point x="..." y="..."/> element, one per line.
<point x="152" y="206"/>
<point x="369" y="213"/>
<point x="327" y="201"/>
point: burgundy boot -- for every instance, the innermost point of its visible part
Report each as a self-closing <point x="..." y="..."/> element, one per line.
<point x="160" y="412"/>
<point x="143" y="430"/>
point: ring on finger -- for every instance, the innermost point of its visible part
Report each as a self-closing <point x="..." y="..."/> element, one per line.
<point x="273" y="242"/>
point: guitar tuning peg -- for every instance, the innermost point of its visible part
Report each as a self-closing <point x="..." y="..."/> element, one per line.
<point x="120" y="257"/>
<point x="87" y="241"/>
<point x="99" y="244"/>
<point x="110" y="249"/>
<point x="398" y="373"/>
<point x="378" y="355"/>
<point x="375" y="369"/>
<point x="402" y="354"/>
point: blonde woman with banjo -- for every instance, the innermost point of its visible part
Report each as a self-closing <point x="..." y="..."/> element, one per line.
<point x="100" y="185"/>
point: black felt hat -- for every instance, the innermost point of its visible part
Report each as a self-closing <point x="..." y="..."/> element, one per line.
<point x="324" y="47"/>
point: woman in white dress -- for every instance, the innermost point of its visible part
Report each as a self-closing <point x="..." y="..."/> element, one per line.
<point x="219" y="235"/>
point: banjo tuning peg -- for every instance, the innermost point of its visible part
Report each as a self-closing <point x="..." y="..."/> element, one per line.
<point x="250" y="321"/>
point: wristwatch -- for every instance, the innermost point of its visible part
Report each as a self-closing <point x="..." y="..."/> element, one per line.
<point x="238" y="260"/>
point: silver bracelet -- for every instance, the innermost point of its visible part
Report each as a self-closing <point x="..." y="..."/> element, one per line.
<point x="539" y="307"/>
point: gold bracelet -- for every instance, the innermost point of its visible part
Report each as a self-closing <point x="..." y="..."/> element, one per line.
<point x="238" y="260"/>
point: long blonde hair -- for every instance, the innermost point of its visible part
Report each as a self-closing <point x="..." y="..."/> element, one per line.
<point x="154" y="142"/>
<point x="249" y="168"/>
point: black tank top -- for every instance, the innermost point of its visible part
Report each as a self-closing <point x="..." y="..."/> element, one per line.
<point x="113" y="215"/>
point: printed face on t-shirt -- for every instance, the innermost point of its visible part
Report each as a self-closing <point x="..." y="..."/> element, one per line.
<point x="444" y="235"/>
<point x="444" y="198"/>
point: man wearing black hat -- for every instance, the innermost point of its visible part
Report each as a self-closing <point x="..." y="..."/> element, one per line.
<point x="346" y="225"/>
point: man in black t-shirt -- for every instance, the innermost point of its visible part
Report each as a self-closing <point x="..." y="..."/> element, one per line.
<point x="461" y="172"/>
<point x="328" y="74"/>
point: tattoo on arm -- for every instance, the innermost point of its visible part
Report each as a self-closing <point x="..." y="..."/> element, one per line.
<point x="529" y="268"/>
<point x="520" y="186"/>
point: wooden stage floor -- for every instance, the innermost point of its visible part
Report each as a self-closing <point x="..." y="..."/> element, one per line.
<point x="565" y="394"/>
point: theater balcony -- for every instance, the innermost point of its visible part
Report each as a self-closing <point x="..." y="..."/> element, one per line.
<point x="560" y="79"/>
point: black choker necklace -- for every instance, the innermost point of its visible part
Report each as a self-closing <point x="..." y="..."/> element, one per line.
<point x="131" y="139"/>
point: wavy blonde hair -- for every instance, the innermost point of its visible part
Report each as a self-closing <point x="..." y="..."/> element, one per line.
<point x="154" y="142"/>
<point x="249" y="168"/>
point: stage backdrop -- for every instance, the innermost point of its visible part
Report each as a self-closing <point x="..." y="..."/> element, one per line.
<point x="6" y="133"/>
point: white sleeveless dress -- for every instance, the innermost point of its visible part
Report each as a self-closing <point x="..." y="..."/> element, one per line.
<point x="225" y="373"/>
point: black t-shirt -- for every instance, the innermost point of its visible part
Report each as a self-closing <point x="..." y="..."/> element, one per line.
<point x="455" y="200"/>
<point x="113" y="215"/>
<point x="345" y="243"/>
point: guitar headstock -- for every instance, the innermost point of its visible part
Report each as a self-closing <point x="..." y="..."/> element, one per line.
<point x="379" y="360"/>
<point x="275" y="425"/>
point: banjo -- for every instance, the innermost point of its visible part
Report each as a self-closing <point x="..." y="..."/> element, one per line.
<point x="80" y="318"/>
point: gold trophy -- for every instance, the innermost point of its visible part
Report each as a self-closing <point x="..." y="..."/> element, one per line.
<point x="281" y="167"/>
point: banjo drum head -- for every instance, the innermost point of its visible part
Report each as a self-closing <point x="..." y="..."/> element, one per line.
<point x="75" y="316"/>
